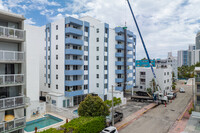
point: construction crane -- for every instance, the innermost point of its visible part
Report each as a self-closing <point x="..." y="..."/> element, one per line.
<point x="160" y="93"/>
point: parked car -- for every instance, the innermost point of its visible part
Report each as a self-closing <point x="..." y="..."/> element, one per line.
<point x="117" y="117"/>
<point x="175" y="95"/>
<point x="170" y="95"/>
<point x="182" y="90"/>
<point x="110" y="129"/>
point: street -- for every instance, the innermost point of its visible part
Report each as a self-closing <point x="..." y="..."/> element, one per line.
<point x="161" y="118"/>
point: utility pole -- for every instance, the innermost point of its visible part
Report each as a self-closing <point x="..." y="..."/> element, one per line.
<point x="112" y="108"/>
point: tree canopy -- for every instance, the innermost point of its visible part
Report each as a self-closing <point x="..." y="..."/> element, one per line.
<point x="93" y="106"/>
<point x="116" y="101"/>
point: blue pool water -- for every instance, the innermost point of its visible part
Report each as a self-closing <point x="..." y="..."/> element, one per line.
<point x="75" y="112"/>
<point x="41" y="123"/>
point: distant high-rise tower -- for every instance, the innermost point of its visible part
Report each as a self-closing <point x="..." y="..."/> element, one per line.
<point x="198" y="40"/>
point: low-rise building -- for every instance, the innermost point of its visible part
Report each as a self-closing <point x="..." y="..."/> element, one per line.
<point x="144" y="77"/>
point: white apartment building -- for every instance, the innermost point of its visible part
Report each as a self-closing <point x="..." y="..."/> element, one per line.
<point x="144" y="77"/>
<point x="12" y="73"/>
<point x="170" y="61"/>
<point x="82" y="56"/>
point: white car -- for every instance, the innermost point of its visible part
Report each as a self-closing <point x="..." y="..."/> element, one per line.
<point x="110" y="129"/>
<point x="182" y="90"/>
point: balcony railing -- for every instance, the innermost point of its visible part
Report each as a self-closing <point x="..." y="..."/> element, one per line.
<point x="11" y="79"/>
<point x="7" y="32"/>
<point x="11" y="56"/>
<point x="11" y="125"/>
<point x="11" y="102"/>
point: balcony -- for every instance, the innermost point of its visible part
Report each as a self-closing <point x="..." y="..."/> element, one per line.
<point x="130" y="79"/>
<point x="129" y="55"/>
<point x="129" y="71"/>
<point x="119" y="63"/>
<point x="74" y="72"/>
<point x="74" y="83"/>
<point x="74" y="93"/>
<point x="129" y="40"/>
<point x="11" y="56"/>
<point x="119" y="71"/>
<point x="119" y="54"/>
<point x="11" y="79"/>
<point x="129" y="48"/>
<point x="119" y="46"/>
<point x="73" y="31"/>
<point x="74" y="52"/>
<point x="119" y="80"/>
<point x="119" y="88"/>
<point x="74" y="21"/>
<point x="129" y="63"/>
<point x="119" y="38"/>
<point x="129" y="33"/>
<point x="9" y="126"/>
<point x="74" y="62"/>
<point x="74" y="41"/>
<point x="11" y="34"/>
<point x="12" y="102"/>
<point x="129" y="86"/>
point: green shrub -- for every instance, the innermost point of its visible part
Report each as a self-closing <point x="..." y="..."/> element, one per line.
<point x="52" y="130"/>
<point x="190" y="111"/>
<point x="85" y="125"/>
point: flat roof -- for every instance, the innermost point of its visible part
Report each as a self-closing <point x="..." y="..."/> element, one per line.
<point x="6" y="15"/>
<point x="197" y="69"/>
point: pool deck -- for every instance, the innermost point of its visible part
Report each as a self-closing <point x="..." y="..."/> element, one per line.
<point x="56" y="125"/>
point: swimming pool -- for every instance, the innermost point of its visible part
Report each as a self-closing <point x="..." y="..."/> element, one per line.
<point x="41" y="122"/>
<point x="75" y="111"/>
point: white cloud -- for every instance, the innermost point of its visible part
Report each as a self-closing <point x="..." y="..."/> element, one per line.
<point x="54" y="18"/>
<point x="30" y="21"/>
<point x="165" y="25"/>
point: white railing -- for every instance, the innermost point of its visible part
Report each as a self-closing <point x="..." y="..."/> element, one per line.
<point x="10" y="79"/>
<point x="10" y="125"/>
<point x="11" y="102"/>
<point x="11" y="33"/>
<point x="11" y="56"/>
<point x="142" y="76"/>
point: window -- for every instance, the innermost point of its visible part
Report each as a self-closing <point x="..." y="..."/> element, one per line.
<point x="97" y="48"/>
<point x="97" y="39"/>
<point x="85" y="48"/>
<point x="106" y="30"/>
<point x="56" y="66"/>
<point x="86" y="58"/>
<point x="56" y="47"/>
<point x="106" y="49"/>
<point x="164" y="73"/>
<point x="56" y="37"/>
<point x="97" y="76"/>
<point x="105" y="39"/>
<point x="86" y="38"/>
<point x="97" y="85"/>
<point x="119" y="67"/>
<point x="48" y="57"/>
<point x="56" y="86"/>
<point x="67" y="78"/>
<point x="56" y="27"/>
<point x="105" y="76"/>
<point x="85" y="77"/>
<point x="67" y="67"/>
<point x="75" y="67"/>
<point x="167" y="80"/>
<point x="86" y="29"/>
<point x="49" y="48"/>
<point x="85" y="87"/>
<point x="105" y="58"/>
<point x="97" y="57"/>
<point x="85" y="67"/>
<point x="56" y="57"/>
<point x="48" y="75"/>
<point x="49" y="85"/>
<point x="97" y="66"/>
<point x="105" y="85"/>
<point x="164" y="81"/>
<point x="198" y="100"/>
<point x="198" y="88"/>
<point x="75" y="77"/>
<point x="167" y="73"/>
<point x="48" y="66"/>
<point x="98" y="30"/>
<point x="105" y="67"/>
<point x="56" y="76"/>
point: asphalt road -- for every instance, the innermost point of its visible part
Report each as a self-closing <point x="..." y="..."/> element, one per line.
<point x="161" y="118"/>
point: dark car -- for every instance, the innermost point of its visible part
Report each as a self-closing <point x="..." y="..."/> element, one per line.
<point x="118" y="116"/>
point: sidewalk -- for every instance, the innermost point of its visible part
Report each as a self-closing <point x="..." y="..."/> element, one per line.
<point x="181" y="122"/>
<point x="128" y="120"/>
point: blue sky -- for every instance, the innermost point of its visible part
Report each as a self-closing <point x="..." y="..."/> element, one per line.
<point x="166" y="25"/>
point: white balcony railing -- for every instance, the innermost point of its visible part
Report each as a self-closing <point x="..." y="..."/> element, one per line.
<point x="142" y="76"/>
<point x="12" y="102"/>
<point x="11" y="56"/>
<point x="11" y="79"/>
<point x="11" y="33"/>
<point x="10" y="125"/>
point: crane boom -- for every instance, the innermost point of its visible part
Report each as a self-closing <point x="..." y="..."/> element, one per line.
<point x="142" y="42"/>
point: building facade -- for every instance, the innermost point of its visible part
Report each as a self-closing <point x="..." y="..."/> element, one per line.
<point x="79" y="56"/>
<point x="198" y="41"/>
<point x="197" y="90"/>
<point x="144" y="78"/>
<point x="12" y="72"/>
<point x="145" y="63"/>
